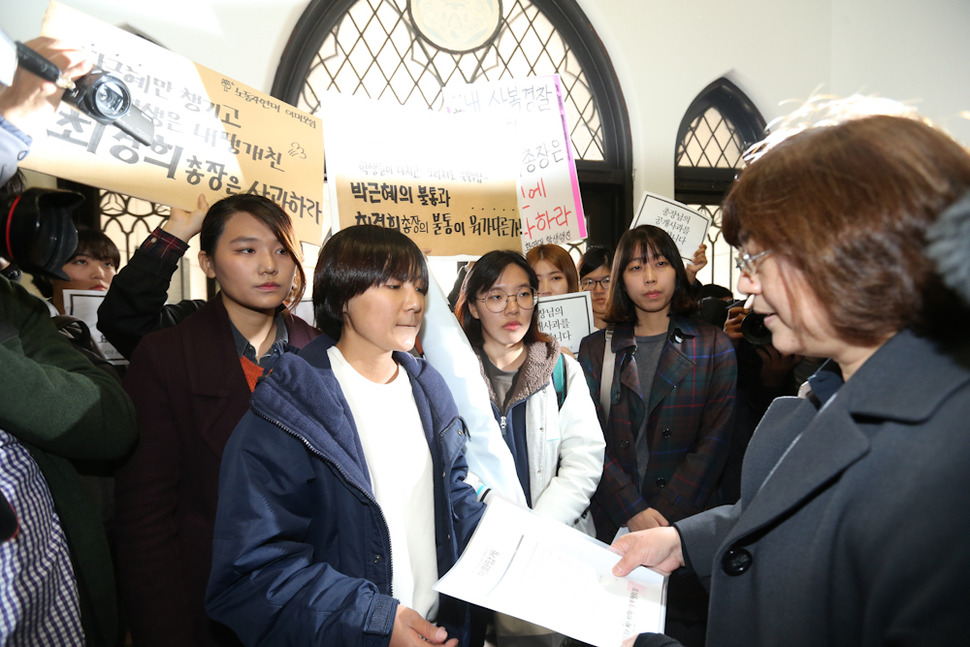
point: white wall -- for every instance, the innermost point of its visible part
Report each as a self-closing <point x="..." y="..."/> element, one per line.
<point x="779" y="52"/>
<point x="665" y="52"/>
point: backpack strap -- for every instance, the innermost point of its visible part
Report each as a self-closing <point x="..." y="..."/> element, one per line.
<point x="559" y="381"/>
<point x="606" y="379"/>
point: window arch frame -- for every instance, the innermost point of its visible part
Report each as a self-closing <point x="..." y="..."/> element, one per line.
<point x="606" y="186"/>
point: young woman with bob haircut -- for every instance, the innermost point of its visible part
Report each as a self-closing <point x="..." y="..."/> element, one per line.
<point x="342" y="495"/>
<point x="191" y="384"/>
<point x="853" y="518"/>
<point x="539" y="399"/>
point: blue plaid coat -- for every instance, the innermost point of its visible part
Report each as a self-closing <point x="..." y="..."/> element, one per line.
<point x="690" y="418"/>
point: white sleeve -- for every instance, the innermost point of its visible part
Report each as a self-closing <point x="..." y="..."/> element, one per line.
<point x="490" y="464"/>
<point x="581" y="451"/>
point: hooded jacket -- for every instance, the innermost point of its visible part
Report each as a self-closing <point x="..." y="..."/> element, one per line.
<point x="564" y="444"/>
<point x="302" y="551"/>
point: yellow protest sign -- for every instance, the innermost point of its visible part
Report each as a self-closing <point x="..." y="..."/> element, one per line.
<point x="212" y="134"/>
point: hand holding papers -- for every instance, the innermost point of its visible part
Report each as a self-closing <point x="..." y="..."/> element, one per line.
<point x="544" y="572"/>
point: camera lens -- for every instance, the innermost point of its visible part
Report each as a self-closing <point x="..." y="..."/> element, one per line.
<point x="111" y="99"/>
<point x="754" y="330"/>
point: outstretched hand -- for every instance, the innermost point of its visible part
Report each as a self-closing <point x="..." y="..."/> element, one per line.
<point x="186" y="224"/>
<point x="657" y="548"/>
<point x="30" y="100"/>
<point x="411" y="630"/>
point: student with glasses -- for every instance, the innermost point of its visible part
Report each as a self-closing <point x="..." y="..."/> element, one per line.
<point x="539" y="398"/>
<point x="594" y="277"/>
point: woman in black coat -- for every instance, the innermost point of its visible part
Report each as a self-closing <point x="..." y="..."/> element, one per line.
<point x="854" y="515"/>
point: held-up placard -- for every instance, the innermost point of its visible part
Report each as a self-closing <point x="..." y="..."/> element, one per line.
<point x="212" y="135"/>
<point x="686" y="226"/>
<point x="548" y="188"/>
<point x="445" y="181"/>
<point x="567" y="317"/>
<point x="84" y="305"/>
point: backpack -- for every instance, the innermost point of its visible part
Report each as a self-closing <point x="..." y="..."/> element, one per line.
<point x="559" y="381"/>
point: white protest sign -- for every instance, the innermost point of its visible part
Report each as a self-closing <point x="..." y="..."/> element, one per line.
<point x="567" y="317"/>
<point x="84" y="305"/>
<point x="212" y="135"/>
<point x="686" y="226"/>
<point x="445" y="181"/>
<point x="548" y="187"/>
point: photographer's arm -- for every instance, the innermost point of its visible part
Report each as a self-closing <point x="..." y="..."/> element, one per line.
<point x="30" y="100"/>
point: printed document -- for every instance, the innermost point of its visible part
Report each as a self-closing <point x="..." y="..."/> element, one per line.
<point x="552" y="575"/>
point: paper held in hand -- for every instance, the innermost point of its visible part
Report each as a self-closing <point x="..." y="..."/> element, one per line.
<point x="552" y="575"/>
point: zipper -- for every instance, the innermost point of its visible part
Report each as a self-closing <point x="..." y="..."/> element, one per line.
<point x="316" y="452"/>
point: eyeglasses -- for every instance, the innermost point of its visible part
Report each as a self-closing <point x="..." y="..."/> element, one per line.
<point x="746" y="262"/>
<point x="603" y="283"/>
<point x="497" y="300"/>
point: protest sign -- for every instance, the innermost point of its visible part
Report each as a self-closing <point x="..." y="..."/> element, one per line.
<point x="686" y="226"/>
<point x="84" y="305"/>
<point x="443" y="180"/>
<point x="548" y="188"/>
<point x="212" y="134"/>
<point x="567" y="317"/>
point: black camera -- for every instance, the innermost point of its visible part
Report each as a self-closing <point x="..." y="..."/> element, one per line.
<point x="106" y="99"/>
<point x="37" y="231"/>
<point x="753" y="329"/>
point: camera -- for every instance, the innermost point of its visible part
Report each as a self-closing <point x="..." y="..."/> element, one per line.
<point x="106" y="99"/>
<point x="37" y="231"/>
<point x="753" y="328"/>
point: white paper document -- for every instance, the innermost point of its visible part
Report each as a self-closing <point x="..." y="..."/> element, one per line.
<point x="552" y="575"/>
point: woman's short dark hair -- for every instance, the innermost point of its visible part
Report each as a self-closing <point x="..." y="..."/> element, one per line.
<point x="558" y="258"/>
<point x="480" y="279"/>
<point x="596" y="256"/>
<point x="643" y="241"/>
<point x="355" y="259"/>
<point x="265" y="211"/>
<point x="848" y="207"/>
<point x="90" y="242"/>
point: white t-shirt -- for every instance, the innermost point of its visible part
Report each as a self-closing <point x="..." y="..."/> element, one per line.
<point x="401" y="473"/>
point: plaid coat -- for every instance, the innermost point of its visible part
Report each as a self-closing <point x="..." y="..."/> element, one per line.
<point x="690" y="418"/>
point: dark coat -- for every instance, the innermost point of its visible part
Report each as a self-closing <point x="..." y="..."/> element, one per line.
<point x="689" y="422"/>
<point x="302" y="551"/>
<point x="855" y="535"/>
<point x="189" y="392"/>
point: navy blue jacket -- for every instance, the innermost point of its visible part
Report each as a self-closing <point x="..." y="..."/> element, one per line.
<point x="302" y="552"/>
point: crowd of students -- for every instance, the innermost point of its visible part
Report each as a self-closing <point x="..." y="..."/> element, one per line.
<point x="277" y="482"/>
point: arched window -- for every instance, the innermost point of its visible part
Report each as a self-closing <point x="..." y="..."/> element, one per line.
<point x="718" y="127"/>
<point x="410" y="49"/>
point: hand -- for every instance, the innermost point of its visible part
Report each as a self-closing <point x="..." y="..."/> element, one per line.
<point x="30" y="100"/>
<point x="732" y="325"/>
<point x="411" y="630"/>
<point x="185" y="224"/>
<point x="697" y="263"/>
<point x="775" y="365"/>
<point x="658" y="548"/>
<point x="646" y="519"/>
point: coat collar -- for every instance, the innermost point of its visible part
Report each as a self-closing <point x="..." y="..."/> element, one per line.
<point x="534" y="374"/>
<point x="303" y="396"/>
<point x="832" y="439"/>
<point x="674" y="364"/>
<point x="210" y="351"/>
